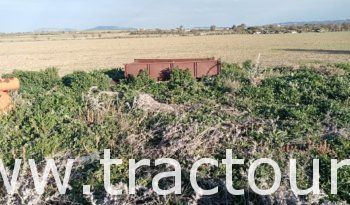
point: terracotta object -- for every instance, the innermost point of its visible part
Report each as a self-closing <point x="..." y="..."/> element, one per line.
<point x="5" y="102"/>
<point x="6" y="85"/>
<point x="9" y="84"/>
<point x="159" y="69"/>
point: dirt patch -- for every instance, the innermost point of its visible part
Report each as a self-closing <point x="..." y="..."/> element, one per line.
<point x="147" y="103"/>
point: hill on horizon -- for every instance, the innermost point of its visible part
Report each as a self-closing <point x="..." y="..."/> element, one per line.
<point x="104" y="28"/>
<point x="121" y="28"/>
<point x="299" y="23"/>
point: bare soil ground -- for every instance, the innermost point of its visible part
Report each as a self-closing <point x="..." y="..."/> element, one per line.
<point x="83" y="53"/>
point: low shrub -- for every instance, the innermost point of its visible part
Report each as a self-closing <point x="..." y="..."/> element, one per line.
<point x="299" y="108"/>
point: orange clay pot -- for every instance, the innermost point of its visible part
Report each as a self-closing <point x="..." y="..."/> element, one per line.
<point x="9" y="84"/>
<point x="5" y="102"/>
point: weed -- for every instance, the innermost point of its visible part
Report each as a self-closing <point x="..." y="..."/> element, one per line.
<point x="300" y="111"/>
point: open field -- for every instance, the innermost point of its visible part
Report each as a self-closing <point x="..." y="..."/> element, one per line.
<point x="82" y="53"/>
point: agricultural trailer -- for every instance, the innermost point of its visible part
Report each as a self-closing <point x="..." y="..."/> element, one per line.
<point x="160" y="69"/>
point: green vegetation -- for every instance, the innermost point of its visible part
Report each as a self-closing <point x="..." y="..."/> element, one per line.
<point x="344" y="66"/>
<point x="277" y="112"/>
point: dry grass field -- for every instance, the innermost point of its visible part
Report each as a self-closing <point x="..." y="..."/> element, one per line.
<point x="83" y="53"/>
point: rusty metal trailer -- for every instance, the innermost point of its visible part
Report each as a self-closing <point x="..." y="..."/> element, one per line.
<point x="159" y="69"/>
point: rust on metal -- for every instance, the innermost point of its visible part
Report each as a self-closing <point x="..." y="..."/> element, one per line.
<point x="159" y="69"/>
<point x="172" y="60"/>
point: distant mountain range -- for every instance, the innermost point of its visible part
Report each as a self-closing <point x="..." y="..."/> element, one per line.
<point x="97" y="28"/>
<point x="111" y="28"/>
<point x="118" y="28"/>
<point x="314" y="22"/>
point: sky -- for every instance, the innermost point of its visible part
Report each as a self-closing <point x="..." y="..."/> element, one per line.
<point x="29" y="15"/>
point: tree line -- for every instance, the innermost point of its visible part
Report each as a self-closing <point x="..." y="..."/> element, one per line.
<point x="244" y="29"/>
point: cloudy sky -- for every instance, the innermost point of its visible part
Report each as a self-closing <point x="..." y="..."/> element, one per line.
<point x="28" y="15"/>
